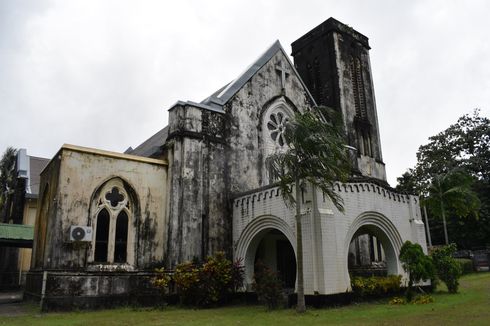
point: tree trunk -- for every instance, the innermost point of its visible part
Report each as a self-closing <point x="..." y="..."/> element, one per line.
<point x="427" y="226"/>
<point x="443" y="213"/>
<point x="444" y="224"/>
<point x="300" y="307"/>
<point x="409" y="294"/>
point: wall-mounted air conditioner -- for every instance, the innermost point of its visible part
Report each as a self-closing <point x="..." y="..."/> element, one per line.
<point x="80" y="233"/>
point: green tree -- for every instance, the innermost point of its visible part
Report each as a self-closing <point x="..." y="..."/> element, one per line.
<point x="408" y="183"/>
<point x="447" y="268"/>
<point x="315" y="155"/>
<point x="7" y="180"/>
<point x="452" y="191"/>
<point x="418" y="265"/>
<point x="465" y="146"/>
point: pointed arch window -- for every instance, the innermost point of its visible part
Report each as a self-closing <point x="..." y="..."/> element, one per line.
<point x="358" y="88"/>
<point x="114" y="234"/>
<point x="102" y="236"/>
<point x="121" y="243"/>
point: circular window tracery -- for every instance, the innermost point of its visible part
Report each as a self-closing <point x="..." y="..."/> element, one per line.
<point x="277" y="127"/>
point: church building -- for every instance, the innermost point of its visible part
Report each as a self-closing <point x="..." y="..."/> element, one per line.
<point x="200" y="185"/>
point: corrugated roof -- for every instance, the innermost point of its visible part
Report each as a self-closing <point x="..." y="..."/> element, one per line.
<point x="16" y="232"/>
<point x="152" y="145"/>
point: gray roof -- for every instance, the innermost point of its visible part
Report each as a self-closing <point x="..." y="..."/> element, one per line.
<point x="216" y="101"/>
<point x="36" y="165"/>
<point x="152" y="145"/>
<point x="223" y="95"/>
<point x="214" y="108"/>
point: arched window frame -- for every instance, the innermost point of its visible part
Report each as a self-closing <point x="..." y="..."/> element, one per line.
<point x="100" y="202"/>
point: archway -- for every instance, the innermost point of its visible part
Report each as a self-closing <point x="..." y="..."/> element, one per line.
<point x="276" y="252"/>
<point x="381" y="242"/>
<point x="271" y="240"/>
<point x="366" y="256"/>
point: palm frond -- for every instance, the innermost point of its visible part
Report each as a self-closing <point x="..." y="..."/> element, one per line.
<point x="316" y="154"/>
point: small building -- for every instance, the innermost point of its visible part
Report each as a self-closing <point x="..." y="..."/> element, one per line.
<point x="17" y="224"/>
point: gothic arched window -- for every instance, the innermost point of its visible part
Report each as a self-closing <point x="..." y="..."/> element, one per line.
<point x="114" y="235"/>
<point x="120" y="248"/>
<point x="102" y="236"/>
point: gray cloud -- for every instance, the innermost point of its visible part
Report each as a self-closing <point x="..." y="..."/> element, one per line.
<point x="103" y="73"/>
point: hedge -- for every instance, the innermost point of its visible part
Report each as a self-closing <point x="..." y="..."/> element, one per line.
<point x="466" y="265"/>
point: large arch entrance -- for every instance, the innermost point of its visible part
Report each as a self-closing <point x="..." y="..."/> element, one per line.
<point x="270" y="240"/>
<point x="276" y="252"/>
<point x="372" y="246"/>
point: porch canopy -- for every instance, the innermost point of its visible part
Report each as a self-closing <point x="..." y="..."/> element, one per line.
<point x="16" y="235"/>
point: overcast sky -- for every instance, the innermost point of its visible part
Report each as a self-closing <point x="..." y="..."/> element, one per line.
<point x="103" y="73"/>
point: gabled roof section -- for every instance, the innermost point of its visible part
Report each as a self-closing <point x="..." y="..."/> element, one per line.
<point x="204" y="106"/>
<point x="152" y="145"/>
<point x="221" y="97"/>
<point x="37" y="164"/>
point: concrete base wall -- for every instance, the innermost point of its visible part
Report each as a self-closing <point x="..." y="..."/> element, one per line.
<point x="90" y="290"/>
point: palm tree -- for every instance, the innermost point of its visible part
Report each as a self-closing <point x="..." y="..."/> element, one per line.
<point x="452" y="192"/>
<point x="315" y="154"/>
<point x="7" y="179"/>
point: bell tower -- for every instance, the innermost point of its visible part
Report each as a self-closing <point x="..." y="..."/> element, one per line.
<point x="333" y="61"/>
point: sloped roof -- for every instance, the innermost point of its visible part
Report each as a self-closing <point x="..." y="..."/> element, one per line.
<point x="219" y="98"/>
<point x="222" y="96"/>
<point x="152" y="145"/>
<point x="37" y="164"/>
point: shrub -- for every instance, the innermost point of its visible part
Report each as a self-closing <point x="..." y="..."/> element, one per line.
<point x="398" y="300"/>
<point x="419" y="299"/>
<point x="447" y="268"/>
<point x="218" y="277"/>
<point x="186" y="278"/>
<point x="375" y="286"/>
<point x="210" y="283"/>
<point x="423" y="299"/>
<point x="418" y="265"/>
<point x="161" y="280"/>
<point x="237" y="275"/>
<point x="267" y="285"/>
<point x="466" y="265"/>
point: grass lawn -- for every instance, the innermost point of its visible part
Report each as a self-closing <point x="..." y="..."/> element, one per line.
<point x="471" y="306"/>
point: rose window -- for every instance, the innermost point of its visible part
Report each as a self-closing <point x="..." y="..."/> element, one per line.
<point x="277" y="127"/>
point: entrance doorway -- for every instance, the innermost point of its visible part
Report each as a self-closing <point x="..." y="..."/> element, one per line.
<point x="275" y="251"/>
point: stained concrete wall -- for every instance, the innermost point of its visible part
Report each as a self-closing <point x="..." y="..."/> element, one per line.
<point x="46" y="213"/>
<point x="323" y="57"/>
<point x="198" y="219"/>
<point x="65" y="290"/>
<point x="246" y="110"/>
<point x="69" y="183"/>
<point x="345" y="47"/>
<point x="213" y="155"/>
